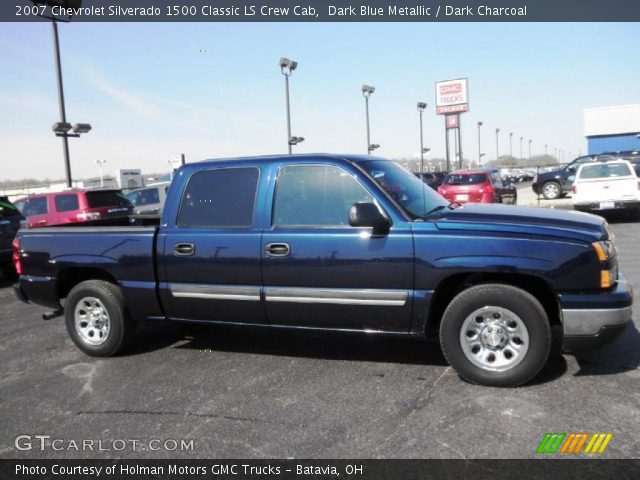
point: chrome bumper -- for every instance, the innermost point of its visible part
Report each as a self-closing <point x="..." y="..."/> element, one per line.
<point x="592" y="321"/>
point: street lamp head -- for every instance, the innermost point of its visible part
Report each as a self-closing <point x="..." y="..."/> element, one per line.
<point x="368" y="90"/>
<point x="511" y="134"/>
<point x="497" y="130"/>
<point x="295" y="140"/>
<point x="480" y="124"/>
<point x="61" y="127"/>
<point x="426" y="150"/>
<point x="373" y="146"/>
<point x="421" y="106"/>
<point x="288" y="64"/>
<point x="81" y="128"/>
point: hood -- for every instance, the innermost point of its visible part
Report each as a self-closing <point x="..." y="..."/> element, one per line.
<point x="525" y="220"/>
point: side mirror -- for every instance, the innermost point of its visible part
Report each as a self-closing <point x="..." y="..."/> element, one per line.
<point x="363" y="214"/>
<point x="571" y="169"/>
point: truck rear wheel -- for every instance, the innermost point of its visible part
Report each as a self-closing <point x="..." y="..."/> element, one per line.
<point x="97" y="320"/>
<point x="496" y="335"/>
<point x="551" y="190"/>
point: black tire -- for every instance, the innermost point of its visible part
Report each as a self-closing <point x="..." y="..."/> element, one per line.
<point x="551" y="190"/>
<point x="121" y="327"/>
<point x="529" y="313"/>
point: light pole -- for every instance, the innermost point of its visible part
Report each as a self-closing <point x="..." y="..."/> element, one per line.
<point x="497" y="145"/>
<point x="367" y="91"/>
<point x="530" y="149"/>
<point x="421" y="107"/>
<point x="545" y="149"/>
<point x="479" y="145"/>
<point x="287" y="67"/>
<point x="100" y="164"/>
<point x="61" y="128"/>
<point x="521" y="157"/>
<point x="510" y="144"/>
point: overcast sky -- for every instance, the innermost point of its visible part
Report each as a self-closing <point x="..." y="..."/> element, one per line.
<point x="214" y="90"/>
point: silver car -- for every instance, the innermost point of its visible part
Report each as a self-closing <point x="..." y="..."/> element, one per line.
<point x="148" y="200"/>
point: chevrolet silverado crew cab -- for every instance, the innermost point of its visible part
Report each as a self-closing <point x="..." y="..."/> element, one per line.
<point x="337" y="242"/>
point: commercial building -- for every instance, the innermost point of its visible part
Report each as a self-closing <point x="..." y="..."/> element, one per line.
<point x="612" y="129"/>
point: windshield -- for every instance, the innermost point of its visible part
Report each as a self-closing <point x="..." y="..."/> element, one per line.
<point x="411" y="193"/>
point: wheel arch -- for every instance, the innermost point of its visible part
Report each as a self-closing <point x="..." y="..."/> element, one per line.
<point x="451" y="286"/>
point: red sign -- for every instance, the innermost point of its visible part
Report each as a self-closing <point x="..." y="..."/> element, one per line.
<point x="452" y="121"/>
<point x="452" y="109"/>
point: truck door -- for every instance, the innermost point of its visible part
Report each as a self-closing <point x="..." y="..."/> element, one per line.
<point x="210" y="262"/>
<point x="320" y="272"/>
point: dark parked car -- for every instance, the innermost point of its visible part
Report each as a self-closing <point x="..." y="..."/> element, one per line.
<point x="10" y="222"/>
<point x="479" y="186"/>
<point x="428" y="178"/>
<point x="343" y="243"/>
<point x="557" y="183"/>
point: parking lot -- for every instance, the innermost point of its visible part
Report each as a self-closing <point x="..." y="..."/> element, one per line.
<point x="255" y="393"/>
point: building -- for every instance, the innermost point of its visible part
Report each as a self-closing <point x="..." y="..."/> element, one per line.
<point x="612" y="129"/>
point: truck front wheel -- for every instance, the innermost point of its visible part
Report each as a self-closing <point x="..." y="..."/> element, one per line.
<point x="496" y="335"/>
<point x="96" y="318"/>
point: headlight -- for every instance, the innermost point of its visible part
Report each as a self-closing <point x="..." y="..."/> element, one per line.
<point x="604" y="250"/>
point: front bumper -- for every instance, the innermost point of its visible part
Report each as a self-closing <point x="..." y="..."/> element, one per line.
<point x="597" y="318"/>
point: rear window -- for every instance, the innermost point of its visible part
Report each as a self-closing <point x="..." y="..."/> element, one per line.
<point x="109" y="198"/>
<point x="220" y="198"/>
<point x="606" y="170"/>
<point x="7" y="209"/>
<point x="465" y="179"/>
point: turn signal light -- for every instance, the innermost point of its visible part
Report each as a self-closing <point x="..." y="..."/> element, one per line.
<point x="605" y="278"/>
<point x="574" y="189"/>
<point x="603" y="249"/>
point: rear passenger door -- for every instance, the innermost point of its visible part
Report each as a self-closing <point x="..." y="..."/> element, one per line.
<point x="210" y="259"/>
<point x="37" y="211"/>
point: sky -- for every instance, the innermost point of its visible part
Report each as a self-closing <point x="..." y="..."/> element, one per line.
<point x="213" y="90"/>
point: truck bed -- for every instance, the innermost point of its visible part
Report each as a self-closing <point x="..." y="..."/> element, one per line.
<point x="125" y="253"/>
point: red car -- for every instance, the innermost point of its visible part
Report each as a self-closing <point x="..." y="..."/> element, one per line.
<point x="479" y="186"/>
<point x="74" y="206"/>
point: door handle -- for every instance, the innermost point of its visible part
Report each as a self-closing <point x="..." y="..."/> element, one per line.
<point x="41" y="222"/>
<point x="184" y="249"/>
<point x="277" y="249"/>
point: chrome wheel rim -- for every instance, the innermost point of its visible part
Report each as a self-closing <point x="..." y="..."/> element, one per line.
<point x="494" y="338"/>
<point x="92" y="321"/>
<point x="551" y="190"/>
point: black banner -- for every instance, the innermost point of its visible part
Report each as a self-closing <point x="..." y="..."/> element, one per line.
<point x="319" y="469"/>
<point x="322" y="10"/>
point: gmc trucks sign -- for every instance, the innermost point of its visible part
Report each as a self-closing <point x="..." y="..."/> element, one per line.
<point x="452" y="96"/>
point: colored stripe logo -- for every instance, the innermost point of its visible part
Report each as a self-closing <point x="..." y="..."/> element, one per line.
<point x="572" y="443"/>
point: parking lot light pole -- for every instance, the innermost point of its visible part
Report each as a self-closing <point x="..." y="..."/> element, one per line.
<point x="479" y="145"/>
<point x="421" y="107"/>
<point x="530" y="149"/>
<point x="287" y="66"/>
<point x="510" y="144"/>
<point x="497" y="144"/>
<point x="521" y="157"/>
<point x="100" y="164"/>
<point x="545" y="149"/>
<point x="367" y="91"/>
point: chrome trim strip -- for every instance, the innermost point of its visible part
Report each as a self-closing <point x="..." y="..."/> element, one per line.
<point x="388" y="298"/>
<point x="215" y="292"/>
<point x="591" y="321"/>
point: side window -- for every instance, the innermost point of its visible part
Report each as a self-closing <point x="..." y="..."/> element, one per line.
<point x="67" y="202"/>
<point x="149" y="196"/>
<point x="36" y="206"/>
<point x="497" y="179"/>
<point x="222" y="198"/>
<point x="316" y="195"/>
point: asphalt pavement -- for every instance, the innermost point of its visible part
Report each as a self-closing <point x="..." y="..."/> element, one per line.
<point x="260" y="394"/>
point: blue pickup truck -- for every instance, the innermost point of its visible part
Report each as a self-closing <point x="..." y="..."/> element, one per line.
<point x="337" y="242"/>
